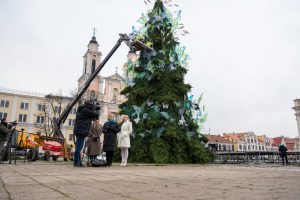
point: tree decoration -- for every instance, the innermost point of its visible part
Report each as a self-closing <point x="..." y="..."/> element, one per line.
<point x="166" y="120"/>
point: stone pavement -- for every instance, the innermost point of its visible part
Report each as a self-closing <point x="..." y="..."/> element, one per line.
<point x="50" y="180"/>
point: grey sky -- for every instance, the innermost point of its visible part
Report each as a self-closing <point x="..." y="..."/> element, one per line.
<point x="245" y="54"/>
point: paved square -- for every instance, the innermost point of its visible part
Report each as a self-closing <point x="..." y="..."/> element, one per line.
<point x="50" y="180"/>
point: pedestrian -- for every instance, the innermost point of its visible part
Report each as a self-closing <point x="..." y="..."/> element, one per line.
<point x="4" y="132"/>
<point x="124" y="139"/>
<point x="84" y="116"/>
<point x="93" y="143"/>
<point x="110" y="130"/>
<point x="282" y="150"/>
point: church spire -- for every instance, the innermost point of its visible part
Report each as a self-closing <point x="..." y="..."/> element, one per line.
<point x="93" y="40"/>
<point x="94" y="31"/>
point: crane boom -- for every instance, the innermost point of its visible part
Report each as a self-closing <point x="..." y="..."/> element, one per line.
<point x="134" y="45"/>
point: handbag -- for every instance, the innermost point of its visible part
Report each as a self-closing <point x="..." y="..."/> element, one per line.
<point x="98" y="163"/>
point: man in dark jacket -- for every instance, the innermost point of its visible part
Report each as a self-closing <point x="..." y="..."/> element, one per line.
<point x="85" y="114"/>
<point x="110" y="130"/>
<point x="4" y="132"/>
<point x="282" y="149"/>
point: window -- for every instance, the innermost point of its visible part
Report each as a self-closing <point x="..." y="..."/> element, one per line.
<point x="85" y="66"/>
<point x="57" y="109"/>
<point x="71" y="122"/>
<point x="40" y="119"/>
<point x="3" y="115"/>
<point x="251" y="140"/>
<point x="22" y="118"/>
<point x="41" y="107"/>
<point x="71" y="137"/>
<point x="4" y="103"/>
<point x="24" y="106"/>
<point x="73" y="111"/>
<point x="93" y="66"/>
<point x="263" y="148"/>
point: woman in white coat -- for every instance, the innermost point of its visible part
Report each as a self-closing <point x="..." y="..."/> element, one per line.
<point x="124" y="139"/>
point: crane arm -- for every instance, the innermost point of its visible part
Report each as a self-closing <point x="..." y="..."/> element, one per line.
<point x="134" y="45"/>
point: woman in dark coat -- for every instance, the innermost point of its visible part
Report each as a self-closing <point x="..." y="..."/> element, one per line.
<point x="93" y="143"/>
<point x="110" y="130"/>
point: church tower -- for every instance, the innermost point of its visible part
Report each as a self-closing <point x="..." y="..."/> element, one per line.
<point x="91" y="61"/>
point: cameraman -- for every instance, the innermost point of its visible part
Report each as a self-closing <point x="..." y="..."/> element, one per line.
<point x="85" y="114"/>
<point x="4" y="132"/>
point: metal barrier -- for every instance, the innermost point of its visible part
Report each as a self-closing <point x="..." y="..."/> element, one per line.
<point x="255" y="157"/>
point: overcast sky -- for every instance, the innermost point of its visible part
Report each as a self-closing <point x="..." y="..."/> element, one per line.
<point x="245" y="54"/>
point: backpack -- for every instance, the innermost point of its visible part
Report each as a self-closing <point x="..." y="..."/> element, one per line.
<point x="98" y="163"/>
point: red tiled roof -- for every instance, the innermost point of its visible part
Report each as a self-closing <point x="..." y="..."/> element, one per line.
<point x="217" y="138"/>
<point x="290" y="143"/>
<point x="260" y="139"/>
<point x="277" y="140"/>
<point x="233" y="137"/>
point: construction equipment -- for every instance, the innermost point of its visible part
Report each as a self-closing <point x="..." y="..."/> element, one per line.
<point x="28" y="143"/>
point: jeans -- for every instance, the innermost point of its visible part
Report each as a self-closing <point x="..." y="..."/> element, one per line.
<point x="78" y="148"/>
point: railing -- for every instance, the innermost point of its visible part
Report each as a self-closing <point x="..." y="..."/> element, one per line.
<point x="255" y="157"/>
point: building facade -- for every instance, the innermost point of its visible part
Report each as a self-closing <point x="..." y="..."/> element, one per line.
<point x="33" y="111"/>
<point x="297" y="114"/>
<point x="219" y="143"/>
<point x="247" y="141"/>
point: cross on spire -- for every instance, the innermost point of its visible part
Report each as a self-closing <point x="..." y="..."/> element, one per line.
<point x="117" y="70"/>
<point x="94" y="31"/>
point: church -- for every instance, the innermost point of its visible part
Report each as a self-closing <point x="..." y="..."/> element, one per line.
<point x="31" y="109"/>
<point x="105" y="89"/>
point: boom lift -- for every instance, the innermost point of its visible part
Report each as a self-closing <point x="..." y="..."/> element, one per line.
<point x="134" y="45"/>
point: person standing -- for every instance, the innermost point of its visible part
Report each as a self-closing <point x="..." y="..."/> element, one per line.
<point x="93" y="143"/>
<point x="85" y="114"/>
<point x="4" y="132"/>
<point x="282" y="150"/>
<point x="124" y="139"/>
<point x="110" y="130"/>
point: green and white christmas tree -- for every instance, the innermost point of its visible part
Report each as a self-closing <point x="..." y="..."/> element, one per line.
<point x="167" y="122"/>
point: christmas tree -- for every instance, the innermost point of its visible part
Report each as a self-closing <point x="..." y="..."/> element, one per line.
<point x="166" y="121"/>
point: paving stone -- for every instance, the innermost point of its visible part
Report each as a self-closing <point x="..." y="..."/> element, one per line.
<point x="60" y="180"/>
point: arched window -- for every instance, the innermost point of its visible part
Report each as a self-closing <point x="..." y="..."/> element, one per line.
<point x="93" y="66"/>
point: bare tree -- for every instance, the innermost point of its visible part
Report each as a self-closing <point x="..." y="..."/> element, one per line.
<point x="51" y="108"/>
